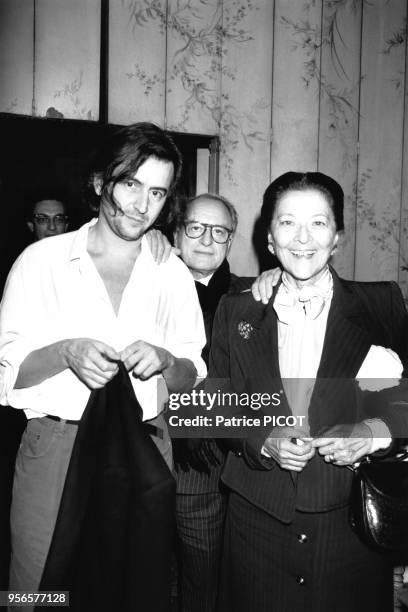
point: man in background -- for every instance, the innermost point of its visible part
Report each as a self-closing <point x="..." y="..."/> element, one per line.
<point x="47" y="214"/>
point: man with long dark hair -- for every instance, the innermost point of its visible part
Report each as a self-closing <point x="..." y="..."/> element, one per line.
<point x="96" y="298"/>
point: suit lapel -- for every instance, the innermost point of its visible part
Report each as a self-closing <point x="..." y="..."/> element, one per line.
<point x="257" y="350"/>
<point x="259" y="356"/>
<point x="345" y="347"/>
<point x="346" y="343"/>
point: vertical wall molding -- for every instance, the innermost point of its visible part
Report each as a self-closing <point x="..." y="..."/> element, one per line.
<point x="104" y="64"/>
<point x="34" y="35"/>
<point x="214" y="166"/>
<point x="284" y="86"/>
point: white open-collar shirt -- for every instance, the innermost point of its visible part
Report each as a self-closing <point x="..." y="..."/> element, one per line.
<point x="55" y="292"/>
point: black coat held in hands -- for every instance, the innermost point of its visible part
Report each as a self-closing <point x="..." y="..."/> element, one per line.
<point x="112" y="542"/>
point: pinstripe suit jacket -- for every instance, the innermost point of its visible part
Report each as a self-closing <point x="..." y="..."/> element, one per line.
<point x="361" y="314"/>
<point x="193" y="481"/>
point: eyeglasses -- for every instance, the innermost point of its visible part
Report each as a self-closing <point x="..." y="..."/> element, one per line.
<point x="219" y="233"/>
<point x="46" y="219"/>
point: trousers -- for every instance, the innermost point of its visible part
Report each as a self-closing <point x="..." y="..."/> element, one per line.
<point x="39" y="477"/>
<point x="200" y="523"/>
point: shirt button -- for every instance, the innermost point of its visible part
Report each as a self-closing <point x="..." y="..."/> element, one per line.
<point x="300" y="580"/>
<point x="302" y="538"/>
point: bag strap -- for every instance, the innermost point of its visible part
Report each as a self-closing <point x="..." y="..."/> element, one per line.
<point x="402" y="456"/>
<point x="368" y="459"/>
<point x="391" y="459"/>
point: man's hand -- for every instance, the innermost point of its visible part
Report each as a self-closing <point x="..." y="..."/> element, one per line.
<point x="345" y="444"/>
<point x="94" y="362"/>
<point x="262" y="287"/>
<point x="146" y="359"/>
<point x="160" y="246"/>
<point x="282" y="447"/>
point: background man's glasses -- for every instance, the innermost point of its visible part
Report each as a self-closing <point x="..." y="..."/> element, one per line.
<point x="47" y="220"/>
<point x="219" y="233"/>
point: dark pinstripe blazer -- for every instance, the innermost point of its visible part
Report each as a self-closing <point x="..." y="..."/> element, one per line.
<point x="194" y="481"/>
<point x="361" y="314"/>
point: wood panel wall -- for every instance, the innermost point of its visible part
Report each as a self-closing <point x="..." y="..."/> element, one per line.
<point x="286" y="84"/>
<point x="50" y="58"/>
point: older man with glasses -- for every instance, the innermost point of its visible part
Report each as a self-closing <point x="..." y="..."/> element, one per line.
<point x="205" y="229"/>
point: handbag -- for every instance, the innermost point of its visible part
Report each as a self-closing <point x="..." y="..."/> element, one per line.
<point x="379" y="503"/>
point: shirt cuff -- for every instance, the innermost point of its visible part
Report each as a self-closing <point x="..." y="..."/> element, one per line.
<point x="9" y="367"/>
<point x="381" y="434"/>
<point x="193" y="356"/>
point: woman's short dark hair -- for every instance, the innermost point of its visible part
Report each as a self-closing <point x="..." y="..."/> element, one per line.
<point x="122" y="153"/>
<point x="304" y="181"/>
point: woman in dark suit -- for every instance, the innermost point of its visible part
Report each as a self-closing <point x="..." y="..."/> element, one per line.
<point x="289" y="546"/>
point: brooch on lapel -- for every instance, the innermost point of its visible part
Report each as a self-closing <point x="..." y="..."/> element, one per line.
<point x="245" y="329"/>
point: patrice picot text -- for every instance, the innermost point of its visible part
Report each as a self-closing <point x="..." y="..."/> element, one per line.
<point x="231" y="414"/>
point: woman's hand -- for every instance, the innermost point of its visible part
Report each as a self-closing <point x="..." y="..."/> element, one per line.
<point x="160" y="246"/>
<point x="291" y="450"/>
<point x="262" y="287"/>
<point x="345" y="444"/>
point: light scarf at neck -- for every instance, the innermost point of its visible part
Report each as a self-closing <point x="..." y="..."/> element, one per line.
<point x="302" y="315"/>
<point x="309" y="299"/>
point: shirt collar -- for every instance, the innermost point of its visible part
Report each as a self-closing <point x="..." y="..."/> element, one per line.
<point x="205" y="279"/>
<point x="80" y="242"/>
